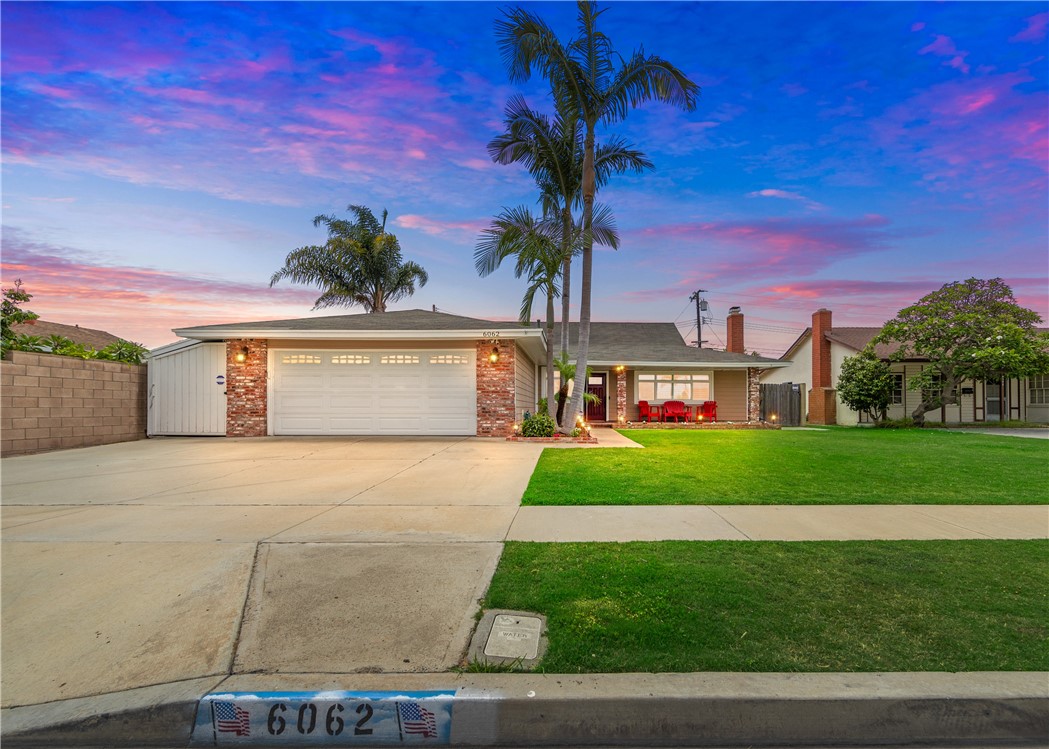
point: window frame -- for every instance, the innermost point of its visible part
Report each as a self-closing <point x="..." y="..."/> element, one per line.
<point x="674" y="378"/>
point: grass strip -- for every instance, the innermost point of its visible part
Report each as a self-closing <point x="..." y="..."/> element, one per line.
<point x="679" y="606"/>
<point x="835" y="466"/>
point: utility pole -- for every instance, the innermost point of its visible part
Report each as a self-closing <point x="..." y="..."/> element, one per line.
<point x="701" y="307"/>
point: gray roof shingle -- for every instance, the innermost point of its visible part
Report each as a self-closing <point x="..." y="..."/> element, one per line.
<point x="647" y="342"/>
<point x="402" y="320"/>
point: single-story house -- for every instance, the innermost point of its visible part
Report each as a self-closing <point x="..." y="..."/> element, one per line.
<point x="815" y="360"/>
<point x="420" y="372"/>
<point x="96" y="339"/>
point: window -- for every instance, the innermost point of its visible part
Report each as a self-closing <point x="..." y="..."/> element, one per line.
<point x="653" y="386"/>
<point x="351" y="359"/>
<point x="449" y="359"/>
<point x="897" y="390"/>
<point x="399" y="359"/>
<point x="1039" y="385"/>
<point x="300" y="359"/>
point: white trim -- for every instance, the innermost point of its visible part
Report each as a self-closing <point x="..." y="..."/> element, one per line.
<point x="173" y="348"/>
<point x="357" y="335"/>
<point x="635" y="365"/>
<point x="708" y="372"/>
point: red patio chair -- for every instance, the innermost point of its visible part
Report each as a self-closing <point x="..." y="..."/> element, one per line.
<point x="675" y="410"/>
<point x="645" y="413"/>
<point x="710" y="411"/>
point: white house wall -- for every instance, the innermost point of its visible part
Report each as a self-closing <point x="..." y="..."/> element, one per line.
<point x="187" y="391"/>
<point x="799" y="372"/>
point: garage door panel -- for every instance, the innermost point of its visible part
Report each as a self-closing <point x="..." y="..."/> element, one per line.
<point x="356" y="393"/>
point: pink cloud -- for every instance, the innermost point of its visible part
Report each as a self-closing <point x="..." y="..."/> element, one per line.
<point x="1034" y="31"/>
<point x="943" y="46"/>
<point x="437" y="227"/>
<point x="784" y="195"/>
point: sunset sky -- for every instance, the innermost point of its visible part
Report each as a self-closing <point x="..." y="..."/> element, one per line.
<point x="160" y="160"/>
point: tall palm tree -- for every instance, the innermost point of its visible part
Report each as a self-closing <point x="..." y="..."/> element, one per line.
<point x="552" y="151"/>
<point x="535" y="243"/>
<point x="359" y="264"/>
<point x="585" y="78"/>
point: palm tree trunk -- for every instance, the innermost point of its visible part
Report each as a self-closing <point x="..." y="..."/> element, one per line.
<point x="551" y="403"/>
<point x="566" y="275"/>
<point x="583" y="347"/>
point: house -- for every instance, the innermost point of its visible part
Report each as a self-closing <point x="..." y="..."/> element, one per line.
<point x="96" y="339"/>
<point x="419" y="372"/>
<point x="815" y="362"/>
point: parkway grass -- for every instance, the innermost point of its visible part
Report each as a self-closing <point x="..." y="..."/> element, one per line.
<point x="770" y="606"/>
<point x="832" y="466"/>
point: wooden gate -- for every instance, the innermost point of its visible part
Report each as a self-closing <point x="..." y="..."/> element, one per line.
<point x="781" y="404"/>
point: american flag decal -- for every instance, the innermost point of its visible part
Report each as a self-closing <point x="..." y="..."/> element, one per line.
<point x="231" y="719"/>
<point x="416" y="719"/>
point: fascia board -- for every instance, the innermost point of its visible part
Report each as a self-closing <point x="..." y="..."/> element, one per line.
<point x="691" y="364"/>
<point x="358" y="335"/>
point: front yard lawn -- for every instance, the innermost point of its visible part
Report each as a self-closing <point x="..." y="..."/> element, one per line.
<point x="771" y="606"/>
<point x="833" y="466"/>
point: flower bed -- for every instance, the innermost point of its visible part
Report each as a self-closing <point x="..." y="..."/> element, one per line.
<point x="700" y="426"/>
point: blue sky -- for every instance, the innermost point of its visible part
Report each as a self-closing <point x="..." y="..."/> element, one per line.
<point x="160" y="160"/>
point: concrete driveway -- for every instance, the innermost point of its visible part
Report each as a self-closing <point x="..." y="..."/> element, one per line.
<point x="172" y="559"/>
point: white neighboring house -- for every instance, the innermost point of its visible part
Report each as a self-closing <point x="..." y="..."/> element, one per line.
<point x="816" y="369"/>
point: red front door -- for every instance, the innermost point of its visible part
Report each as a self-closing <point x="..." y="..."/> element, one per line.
<point x="597" y="386"/>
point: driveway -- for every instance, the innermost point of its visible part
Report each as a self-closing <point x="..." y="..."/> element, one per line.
<point x="171" y="559"/>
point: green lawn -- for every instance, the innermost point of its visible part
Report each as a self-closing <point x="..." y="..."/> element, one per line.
<point x="835" y="466"/>
<point x="768" y="606"/>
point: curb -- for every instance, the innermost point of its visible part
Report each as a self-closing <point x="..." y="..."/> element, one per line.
<point x="707" y="709"/>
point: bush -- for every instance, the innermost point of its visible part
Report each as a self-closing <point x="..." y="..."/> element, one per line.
<point x="538" y="425"/>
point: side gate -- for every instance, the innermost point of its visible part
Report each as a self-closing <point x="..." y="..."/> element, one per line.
<point x="781" y="404"/>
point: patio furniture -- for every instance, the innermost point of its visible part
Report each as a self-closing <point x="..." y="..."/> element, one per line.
<point x="709" y="411"/>
<point x="675" y="410"/>
<point x="646" y="412"/>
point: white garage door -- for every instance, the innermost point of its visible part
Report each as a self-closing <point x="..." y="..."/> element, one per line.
<point x="375" y="392"/>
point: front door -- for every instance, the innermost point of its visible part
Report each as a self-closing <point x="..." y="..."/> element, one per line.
<point x="995" y="401"/>
<point x="597" y="386"/>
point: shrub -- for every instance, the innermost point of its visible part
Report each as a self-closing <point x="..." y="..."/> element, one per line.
<point x="538" y="425"/>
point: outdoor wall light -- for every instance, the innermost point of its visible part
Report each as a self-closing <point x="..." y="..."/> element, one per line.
<point x="772" y="418"/>
<point x="494" y="356"/>
<point x="242" y="355"/>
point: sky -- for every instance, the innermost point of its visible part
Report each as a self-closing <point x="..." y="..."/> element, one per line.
<point x="160" y="160"/>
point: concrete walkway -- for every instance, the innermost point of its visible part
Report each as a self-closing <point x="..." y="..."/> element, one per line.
<point x="138" y="577"/>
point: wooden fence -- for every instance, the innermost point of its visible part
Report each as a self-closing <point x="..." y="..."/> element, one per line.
<point x="781" y="404"/>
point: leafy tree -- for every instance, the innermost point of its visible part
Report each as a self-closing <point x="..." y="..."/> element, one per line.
<point x="968" y="330"/>
<point x="588" y="77"/>
<point x="124" y="351"/>
<point x="11" y="312"/>
<point x="865" y="384"/>
<point x="552" y="152"/>
<point x="359" y="264"/>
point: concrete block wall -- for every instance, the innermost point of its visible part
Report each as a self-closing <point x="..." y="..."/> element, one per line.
<point x="49" y="402"/>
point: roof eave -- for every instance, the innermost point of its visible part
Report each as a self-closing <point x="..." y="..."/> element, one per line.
<point x="633" y="364"/>
<point x="212" y="334"/>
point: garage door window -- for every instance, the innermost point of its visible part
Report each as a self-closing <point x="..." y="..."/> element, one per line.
<point x="351" y="359"/>
<point x="300" y="359"/>
<point x="449" y="359"/>
<point x="399" y="359"/>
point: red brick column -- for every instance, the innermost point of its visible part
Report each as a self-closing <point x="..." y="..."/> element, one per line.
<point x="822" y="399"/>
<point x="753" y="394"/>
<point x="823" y="406"/>
<point x="246" y="388"/>
<point x="620" y="395"/>
<point x="496" y="389"/>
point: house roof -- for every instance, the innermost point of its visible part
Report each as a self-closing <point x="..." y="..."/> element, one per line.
<point x="651" y="343"/>
<point x="413" y="320"/>
<point x="858" y="338"/>
<point x="96" y="339"/>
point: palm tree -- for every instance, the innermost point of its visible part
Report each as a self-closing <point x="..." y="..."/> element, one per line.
<point x="585" y="78"/>
<point x="552" y="151"/>
<point x="359" y="264"/>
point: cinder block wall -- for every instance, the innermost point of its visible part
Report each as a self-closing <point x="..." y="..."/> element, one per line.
<point x="49" y="402"/>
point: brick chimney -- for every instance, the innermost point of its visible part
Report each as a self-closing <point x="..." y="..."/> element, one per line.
<point x="822" y="398"/>
<point x="734" y="322"/>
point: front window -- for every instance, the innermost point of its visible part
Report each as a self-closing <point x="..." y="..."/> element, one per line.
<point x="1040" y="390"/>
<point x="673" y="386"/>
<point x="897" y="390"/>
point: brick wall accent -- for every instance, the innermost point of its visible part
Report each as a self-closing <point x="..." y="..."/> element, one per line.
<point x="821" y="325"/>
<point x="753" y="394"/>
<point x="822" y="406"/>
<point x="621" y="395"/>
<point x="734" y="324"/>
<point x="496" y="389"/>
<point x="246" y="388"/>
<point x="50" y="402"/>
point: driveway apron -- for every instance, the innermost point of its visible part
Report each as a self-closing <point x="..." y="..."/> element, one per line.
<point x="173" y="559"/>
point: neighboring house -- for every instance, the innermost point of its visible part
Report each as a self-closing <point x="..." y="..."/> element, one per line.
<point x="96" y="339"/>
<point x="418" y="372"/>
<point x="815" y="362"/>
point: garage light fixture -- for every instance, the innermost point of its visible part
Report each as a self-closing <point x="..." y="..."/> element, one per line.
<point x="494" y="356"/>
<point x="242" y="355"/>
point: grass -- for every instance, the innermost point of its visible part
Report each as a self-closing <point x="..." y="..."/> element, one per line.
<point x="801" y="606"/>
<point x="834" y="466"/>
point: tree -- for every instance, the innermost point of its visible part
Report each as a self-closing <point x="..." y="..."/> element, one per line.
<point x="968" y="330"/>
<point x="359" y="264"/>
<point x="535" y="242"/>
<point x="865" y="384"/>
<point x="566" y="370"/>
<point x="585" y="78"/>
<point x="552" y="152"/>
<point x="11" y="312"/>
